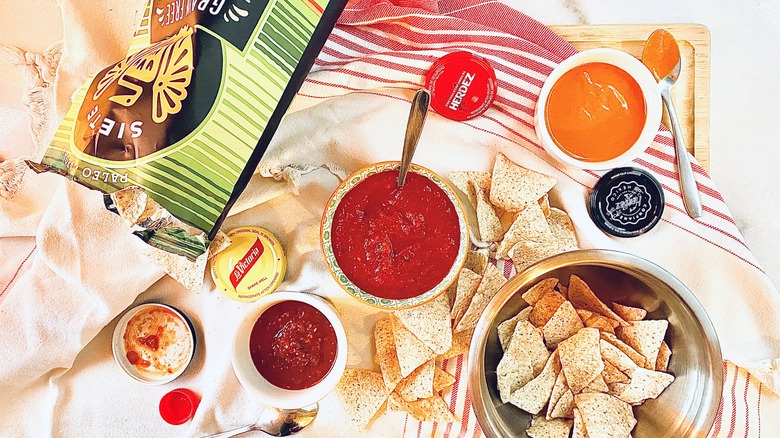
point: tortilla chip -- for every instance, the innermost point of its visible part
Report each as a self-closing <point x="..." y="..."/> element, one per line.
<point x="645" y="337"/>
<point x="616" y="388"/>
<point x="431" y="409"/>
<point x="395" y="403"/>
<point x="544" y="202"/>
<point x="564" y="323"/>
<point x="514" y="187"/>
<point x="525" y="254"/>
<point x="460" y="344"/>
<point x="545" y="308"/>
<point x="583" y="298"/>
<point x="411" y="351"/>
<point x="599" y="322"/>
<point x="581" y="358"/>
<point x="363" y="393"/>
<point x="386" y="355"/>
<point x="513" y="372"/>
<point x="544" y="428"/>
<point x="559" y="388"/>
<point x="488" y="287"/>
<point x="564" y="408"/>
<point x="530" y="225"/>
<point x="611" y="373"/>
<point x="604" y="415"/>
<point x="480" y="180"/>
<point x="525" y="356"/>
<point x="506" y="328"/>
<point x="418" y="384"/>
<point x="540" y="289"/>
<point x="468" y="282"/>
<point x="451" y="292"/>
<point x="616" y="357"/>
<point x="430" y="322"/>
<point x="664" y="353"/>
<point x="578" y="430"/>
<point x="527" y="340"/>
<point x="645" y="384"/>
<point x="534" y="395"/>
<point x="460" y="180"/>
<point x="441" y="379"/>
<point x="490" y="228"/>
<point x="597" y="385"/>
<point x="466" y="181"/>
<point x="634" y="355"/>
<point x="562" y="230"/>
<point x="476" y="262"/>
<point x="629" y="313"/>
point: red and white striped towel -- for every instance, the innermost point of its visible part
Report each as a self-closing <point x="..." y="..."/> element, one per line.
<point x="383" y="48"/>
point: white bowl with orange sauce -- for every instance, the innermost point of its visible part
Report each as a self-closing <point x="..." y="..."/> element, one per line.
<point x="598" y="109"/>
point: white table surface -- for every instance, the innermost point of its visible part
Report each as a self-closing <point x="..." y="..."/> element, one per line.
<point x="745" y="89"/>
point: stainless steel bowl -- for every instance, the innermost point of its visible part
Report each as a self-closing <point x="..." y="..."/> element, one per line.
<point x="686" y="408"/>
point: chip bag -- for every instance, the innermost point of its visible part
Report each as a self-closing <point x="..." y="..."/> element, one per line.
<point x="173" y="133"/>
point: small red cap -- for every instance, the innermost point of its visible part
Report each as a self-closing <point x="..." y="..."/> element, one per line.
<point x="179" y="406"/>
<point x="462" y="85"/>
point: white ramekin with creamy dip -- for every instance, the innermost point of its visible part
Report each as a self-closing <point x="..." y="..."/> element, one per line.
<point x="153" y="343"/>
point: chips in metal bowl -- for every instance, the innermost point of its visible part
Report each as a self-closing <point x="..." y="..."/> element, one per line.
<point x="687" y="407"/>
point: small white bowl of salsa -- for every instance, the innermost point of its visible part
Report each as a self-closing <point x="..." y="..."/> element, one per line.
<point x="598" y="109"/>
<point x="290" y="349"/>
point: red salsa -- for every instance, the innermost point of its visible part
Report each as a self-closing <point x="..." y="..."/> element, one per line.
<point x="395" y="242"/>
<point x="293" y="345"/>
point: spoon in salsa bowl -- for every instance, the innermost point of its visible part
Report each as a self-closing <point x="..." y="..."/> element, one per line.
<point x="662" y="56"/>
<point x="414" y="126"/>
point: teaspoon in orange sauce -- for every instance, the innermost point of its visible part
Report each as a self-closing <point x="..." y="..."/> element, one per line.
<point x="661" y="54"/>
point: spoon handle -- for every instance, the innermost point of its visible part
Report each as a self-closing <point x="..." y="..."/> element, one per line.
<point x="417" y="114"/>
<point x="690" y="193"/>
<point x="234" y="432"/>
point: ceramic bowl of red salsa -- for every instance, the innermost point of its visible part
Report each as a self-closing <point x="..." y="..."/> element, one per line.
<point x="393" y="247"/>
<point x="290" y="349"/>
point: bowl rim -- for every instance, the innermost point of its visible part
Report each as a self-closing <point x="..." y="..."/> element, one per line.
<point x="477" y="383"/>
<point x="251" y="379"/>
<point x="118" y="346"/>
<point x="337" y="273"/>
<point x="650" y="92"/>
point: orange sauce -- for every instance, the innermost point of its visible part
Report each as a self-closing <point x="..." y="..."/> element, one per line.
<point x="595" y="112"/>
<point x="660" y="54"/>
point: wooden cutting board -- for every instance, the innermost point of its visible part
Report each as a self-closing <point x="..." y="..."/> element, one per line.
<point x="691" y="93"/>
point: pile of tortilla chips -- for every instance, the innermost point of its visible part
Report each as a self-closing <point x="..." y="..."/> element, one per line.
<point x="410" y="344"/>
<point x="587" y="363"/>
<point x="514" y="213"/>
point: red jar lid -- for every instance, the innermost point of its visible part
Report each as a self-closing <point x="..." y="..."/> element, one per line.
<point x="462" y="85"/>
<point x="179" y="406"/>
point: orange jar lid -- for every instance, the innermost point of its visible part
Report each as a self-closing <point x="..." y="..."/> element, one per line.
<point x="252" y="266"/>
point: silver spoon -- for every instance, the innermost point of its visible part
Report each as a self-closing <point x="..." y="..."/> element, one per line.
<point x="277" y="422"/>
<point x="420" y="103"/>
<point x="414" y="126"/>
<point x="690" y="193"/>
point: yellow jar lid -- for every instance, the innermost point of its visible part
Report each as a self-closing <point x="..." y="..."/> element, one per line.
<point x="252" y="266"/>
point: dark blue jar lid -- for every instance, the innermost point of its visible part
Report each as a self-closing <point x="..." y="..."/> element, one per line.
<point x="627" y="202"/>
